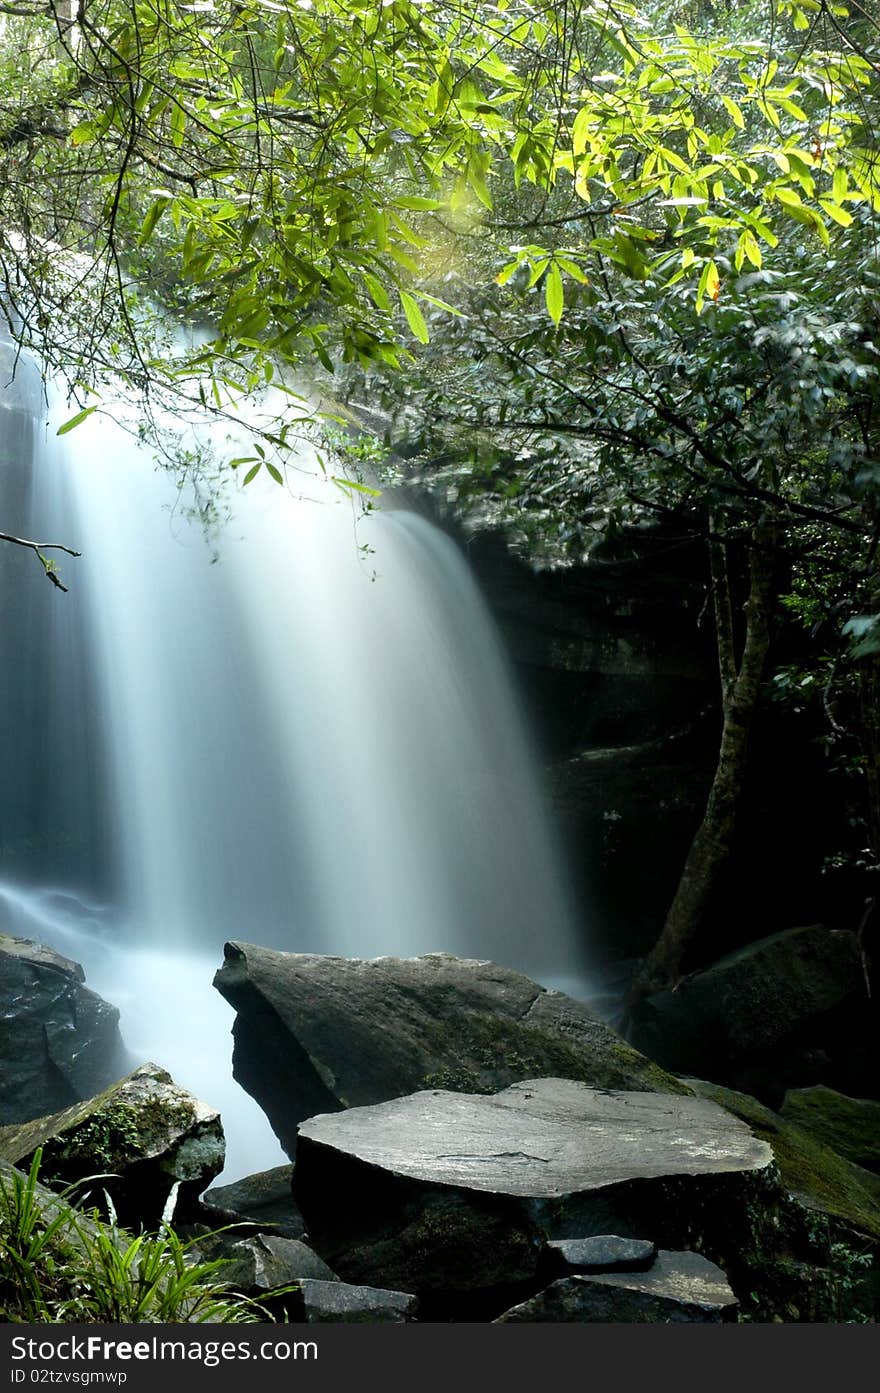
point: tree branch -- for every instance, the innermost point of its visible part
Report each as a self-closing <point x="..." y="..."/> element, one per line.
<point x="38" y="548"/>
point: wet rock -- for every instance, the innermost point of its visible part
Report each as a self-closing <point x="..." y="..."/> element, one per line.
<point x="143" y="1136"/>
<point x="850" y="1126"/>
<point x="59" y="1041"/>
<point x="315" y="1033"/>
<point x="261" y="1265"/>
<point x="262" y="1201"/>
<point x="679" y="1287"/>
<point x="603" y="1253"/>
<point x="447" y="1192"/>
<point x="350" y="1305"/>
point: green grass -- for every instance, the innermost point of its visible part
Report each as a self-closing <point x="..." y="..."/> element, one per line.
<point x="59" y="1265"/>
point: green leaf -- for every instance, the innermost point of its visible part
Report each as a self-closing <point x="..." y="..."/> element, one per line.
<point x="440" y="304"/>
<point x="178" y="125"/>
<point x="628" y="256"/>
<point x="252" y="473"/>
<point x="835" y="212"/>
<point x="507" y="271"/>
<point x="553" y="293"/>
<point x="426" y="205"/>
<point x="414" y="317"/>
<point x="154" y="213"/>
<point x="355" y="487"/>
<point x="76" y="420"/>
<point x="752" y="250"/>
<point x="709" y="284"/>
<point x="378" y="293"/>
<point x="572" y="268"/>
<point x="83" y="134"/>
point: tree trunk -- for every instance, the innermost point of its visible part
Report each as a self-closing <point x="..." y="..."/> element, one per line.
<point x="869" y="703"/>
<point x="740" y="686"/>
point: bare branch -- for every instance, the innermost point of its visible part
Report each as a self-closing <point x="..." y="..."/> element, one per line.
<point x="38" y="548"/>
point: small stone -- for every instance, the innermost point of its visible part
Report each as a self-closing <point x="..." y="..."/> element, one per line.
<point x="604" y="1253"/>
<point x="338" y="1301"/>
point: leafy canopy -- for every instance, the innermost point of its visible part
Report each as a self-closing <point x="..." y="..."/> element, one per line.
<point x="285" y="170"/>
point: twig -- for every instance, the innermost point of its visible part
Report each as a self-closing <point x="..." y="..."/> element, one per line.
<point x="38" y="548"/>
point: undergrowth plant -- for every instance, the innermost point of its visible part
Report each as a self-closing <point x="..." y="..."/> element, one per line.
<point x="57" y="1264"/>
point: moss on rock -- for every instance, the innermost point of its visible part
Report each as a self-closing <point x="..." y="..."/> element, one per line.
<point x="849" y="1126"/>
<point x="814" y="1254"/>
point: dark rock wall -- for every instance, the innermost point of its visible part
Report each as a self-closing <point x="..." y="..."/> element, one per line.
<point x="618" y="672"/>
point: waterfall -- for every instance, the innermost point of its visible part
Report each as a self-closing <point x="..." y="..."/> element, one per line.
<point x="300" y="731"/>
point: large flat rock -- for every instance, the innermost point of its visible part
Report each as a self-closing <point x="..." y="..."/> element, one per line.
<point x="440" y="1191"/>
<point x="542" y="1139"/>
<point x="316" y="1033"/>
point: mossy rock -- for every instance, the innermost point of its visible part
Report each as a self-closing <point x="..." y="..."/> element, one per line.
<point x="814" y="1255"/>
<point x="849" y="1126"/>
<point x="137" y="1140"/>
<point x="815" y="1175"/>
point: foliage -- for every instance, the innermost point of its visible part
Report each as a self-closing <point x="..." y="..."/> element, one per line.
<point x="288" y="171"/>
<point x="58" y="1265"/>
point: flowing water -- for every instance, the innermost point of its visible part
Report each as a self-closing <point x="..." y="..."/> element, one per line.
<point x="299" y="732"/>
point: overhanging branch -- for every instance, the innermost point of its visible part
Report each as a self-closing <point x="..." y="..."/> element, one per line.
<point x="38" y="548"/>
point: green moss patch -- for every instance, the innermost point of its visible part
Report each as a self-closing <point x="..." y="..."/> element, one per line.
<point x="814" y="1174"/>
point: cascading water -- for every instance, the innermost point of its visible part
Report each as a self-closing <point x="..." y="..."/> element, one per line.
<point x="312" y="744"/>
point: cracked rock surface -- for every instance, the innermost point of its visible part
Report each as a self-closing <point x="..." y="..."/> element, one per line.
<point x="540" y="1139"/>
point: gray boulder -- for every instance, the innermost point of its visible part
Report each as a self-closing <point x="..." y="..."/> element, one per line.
<point x="257" y="1203"/>
<point x="143" y="1136"/>
<point x="315" y="1033"/>
<point x="59" y="1041"/>
<point x="678" y="1287"/>
<point x="789" y="1009"/>
<point x="445" y="1192"/>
